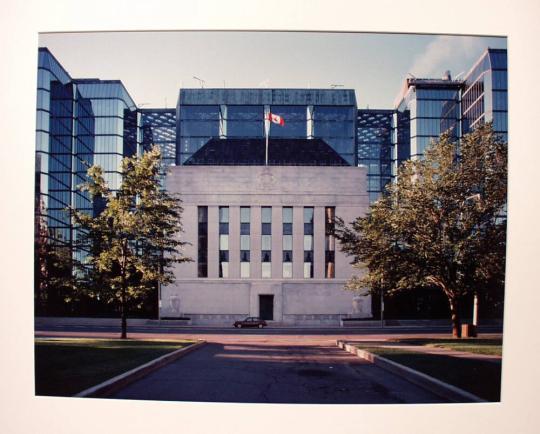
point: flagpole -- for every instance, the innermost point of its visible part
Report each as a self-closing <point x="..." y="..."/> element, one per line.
<point x="267" y="131"/>
<point x="266" y="154"/>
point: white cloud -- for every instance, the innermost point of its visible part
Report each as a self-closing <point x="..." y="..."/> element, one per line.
<point x="441" y="54"/>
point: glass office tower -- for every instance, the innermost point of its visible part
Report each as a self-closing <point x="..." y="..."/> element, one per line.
<point x="116" y="125"/>
<point x="79" y="122"/>
<point x="64" y="148"/>
<point x="485" y="92"/>
<point x="374" y="136"/>
<point x="159" y="128"/>
<point x="433" y="108"/>
<point x="204" y="114"/>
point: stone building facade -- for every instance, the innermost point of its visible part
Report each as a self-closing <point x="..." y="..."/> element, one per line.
<point x="249" y="209"/>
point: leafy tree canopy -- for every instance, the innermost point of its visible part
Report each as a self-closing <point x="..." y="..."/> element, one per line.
<point x="134" y="241"/>
<point x="441" y="224"/>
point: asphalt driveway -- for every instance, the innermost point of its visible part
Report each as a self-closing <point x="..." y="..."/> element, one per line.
<point x="268" y="370"/>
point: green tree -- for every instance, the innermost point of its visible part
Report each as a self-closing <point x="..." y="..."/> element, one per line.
<point x="53" y="282"/>
<point x="441" y="224"/>
<point x="135" y="240"/>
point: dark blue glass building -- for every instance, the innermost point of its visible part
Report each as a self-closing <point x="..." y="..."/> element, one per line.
<point x="374" y="137"/>
<point x="326" y="114"/>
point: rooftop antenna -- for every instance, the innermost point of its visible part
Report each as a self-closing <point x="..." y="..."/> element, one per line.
<point x="333" y="86"/>
<point x="201" y="81"/>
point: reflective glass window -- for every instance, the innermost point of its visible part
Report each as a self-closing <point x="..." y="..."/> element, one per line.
<point x="199" y="112"/>
<point x="199" y="128"/>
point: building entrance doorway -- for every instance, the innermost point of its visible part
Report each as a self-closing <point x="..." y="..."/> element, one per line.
<point x="266" y="307"/>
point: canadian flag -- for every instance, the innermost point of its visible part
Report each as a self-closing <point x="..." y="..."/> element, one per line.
<point x="276" y="119"/>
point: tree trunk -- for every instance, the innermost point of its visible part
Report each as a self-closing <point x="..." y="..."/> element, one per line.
<point x="456" y="322"/>
<point x="124" y="325"/>
<point x="123" y="313"/>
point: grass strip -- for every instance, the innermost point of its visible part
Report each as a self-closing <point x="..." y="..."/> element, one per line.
<point x="479" y="377"/>
<point x="491" y="347"/>
<point x="64" y="367"/>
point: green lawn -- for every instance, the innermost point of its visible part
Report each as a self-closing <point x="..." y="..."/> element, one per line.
<point x="491" y="347"/>
<point x="64" y="367"/>
<point x="479" y="377"/>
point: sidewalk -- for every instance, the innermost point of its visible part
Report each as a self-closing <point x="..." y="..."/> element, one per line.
<point x="429" y="350"/>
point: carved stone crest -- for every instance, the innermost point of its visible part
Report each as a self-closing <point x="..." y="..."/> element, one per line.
<point x="266" y="179"/>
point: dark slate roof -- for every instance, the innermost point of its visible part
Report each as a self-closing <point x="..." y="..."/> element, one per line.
<point x="251" y="152"/>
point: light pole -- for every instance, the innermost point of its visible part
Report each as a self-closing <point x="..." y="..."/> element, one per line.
<point x="382" y="308"/>
<point x="474" y="198"/>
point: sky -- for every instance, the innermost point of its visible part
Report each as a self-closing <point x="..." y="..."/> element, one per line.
<point x="154" y="65"/>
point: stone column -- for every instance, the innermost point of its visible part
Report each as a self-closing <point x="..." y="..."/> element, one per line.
<point x="255" y="271"/>
<point x="234" y="242"/>
<point x="298" y="242"/>
<point x="319" y="242"/>
<point x="213" y="242"/>
<point x="277" y="242"/>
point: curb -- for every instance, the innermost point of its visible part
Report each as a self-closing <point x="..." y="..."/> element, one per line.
<point x="434" y="385"/>
<point x="114" y="384"/>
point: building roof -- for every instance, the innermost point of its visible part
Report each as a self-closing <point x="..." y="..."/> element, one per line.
<point x="251" y="152"/>
<point x="334" y="97"/>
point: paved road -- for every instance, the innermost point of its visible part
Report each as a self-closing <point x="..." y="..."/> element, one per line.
<point x="264" y="369"/>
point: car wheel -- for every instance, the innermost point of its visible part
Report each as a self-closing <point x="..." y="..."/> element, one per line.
<point x="260" y="326"/>
<point x="235" y="326"/>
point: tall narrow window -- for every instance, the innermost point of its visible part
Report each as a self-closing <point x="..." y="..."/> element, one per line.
<point x="330" y="243"/>
<point x="223" y="241"/>
<point x="202" y="245"/>
<point x="245" y="231"/>
<point x="287" y="241"/>
<point x="266" y="241"/>
<point x="308" y="242"/>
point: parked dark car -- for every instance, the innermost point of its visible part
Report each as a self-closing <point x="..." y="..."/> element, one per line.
<point x="251" y="321"/>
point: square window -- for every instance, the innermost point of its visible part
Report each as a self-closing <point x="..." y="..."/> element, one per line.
<point x="287" y="270"/>
<point x="266" y="270"/>
<point x="266" y="214"/>
<point x="224" y="269"/>
<point x="287" y="214"/>
<point x="287" y="242"/>
<point x="224" y="214"/>
<point x="266" y="242"/>
<point x="244" y="269"/>
<point x="308" y="242"/>
<point x="245" y="214"/>
<point x="308" y="270"/>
